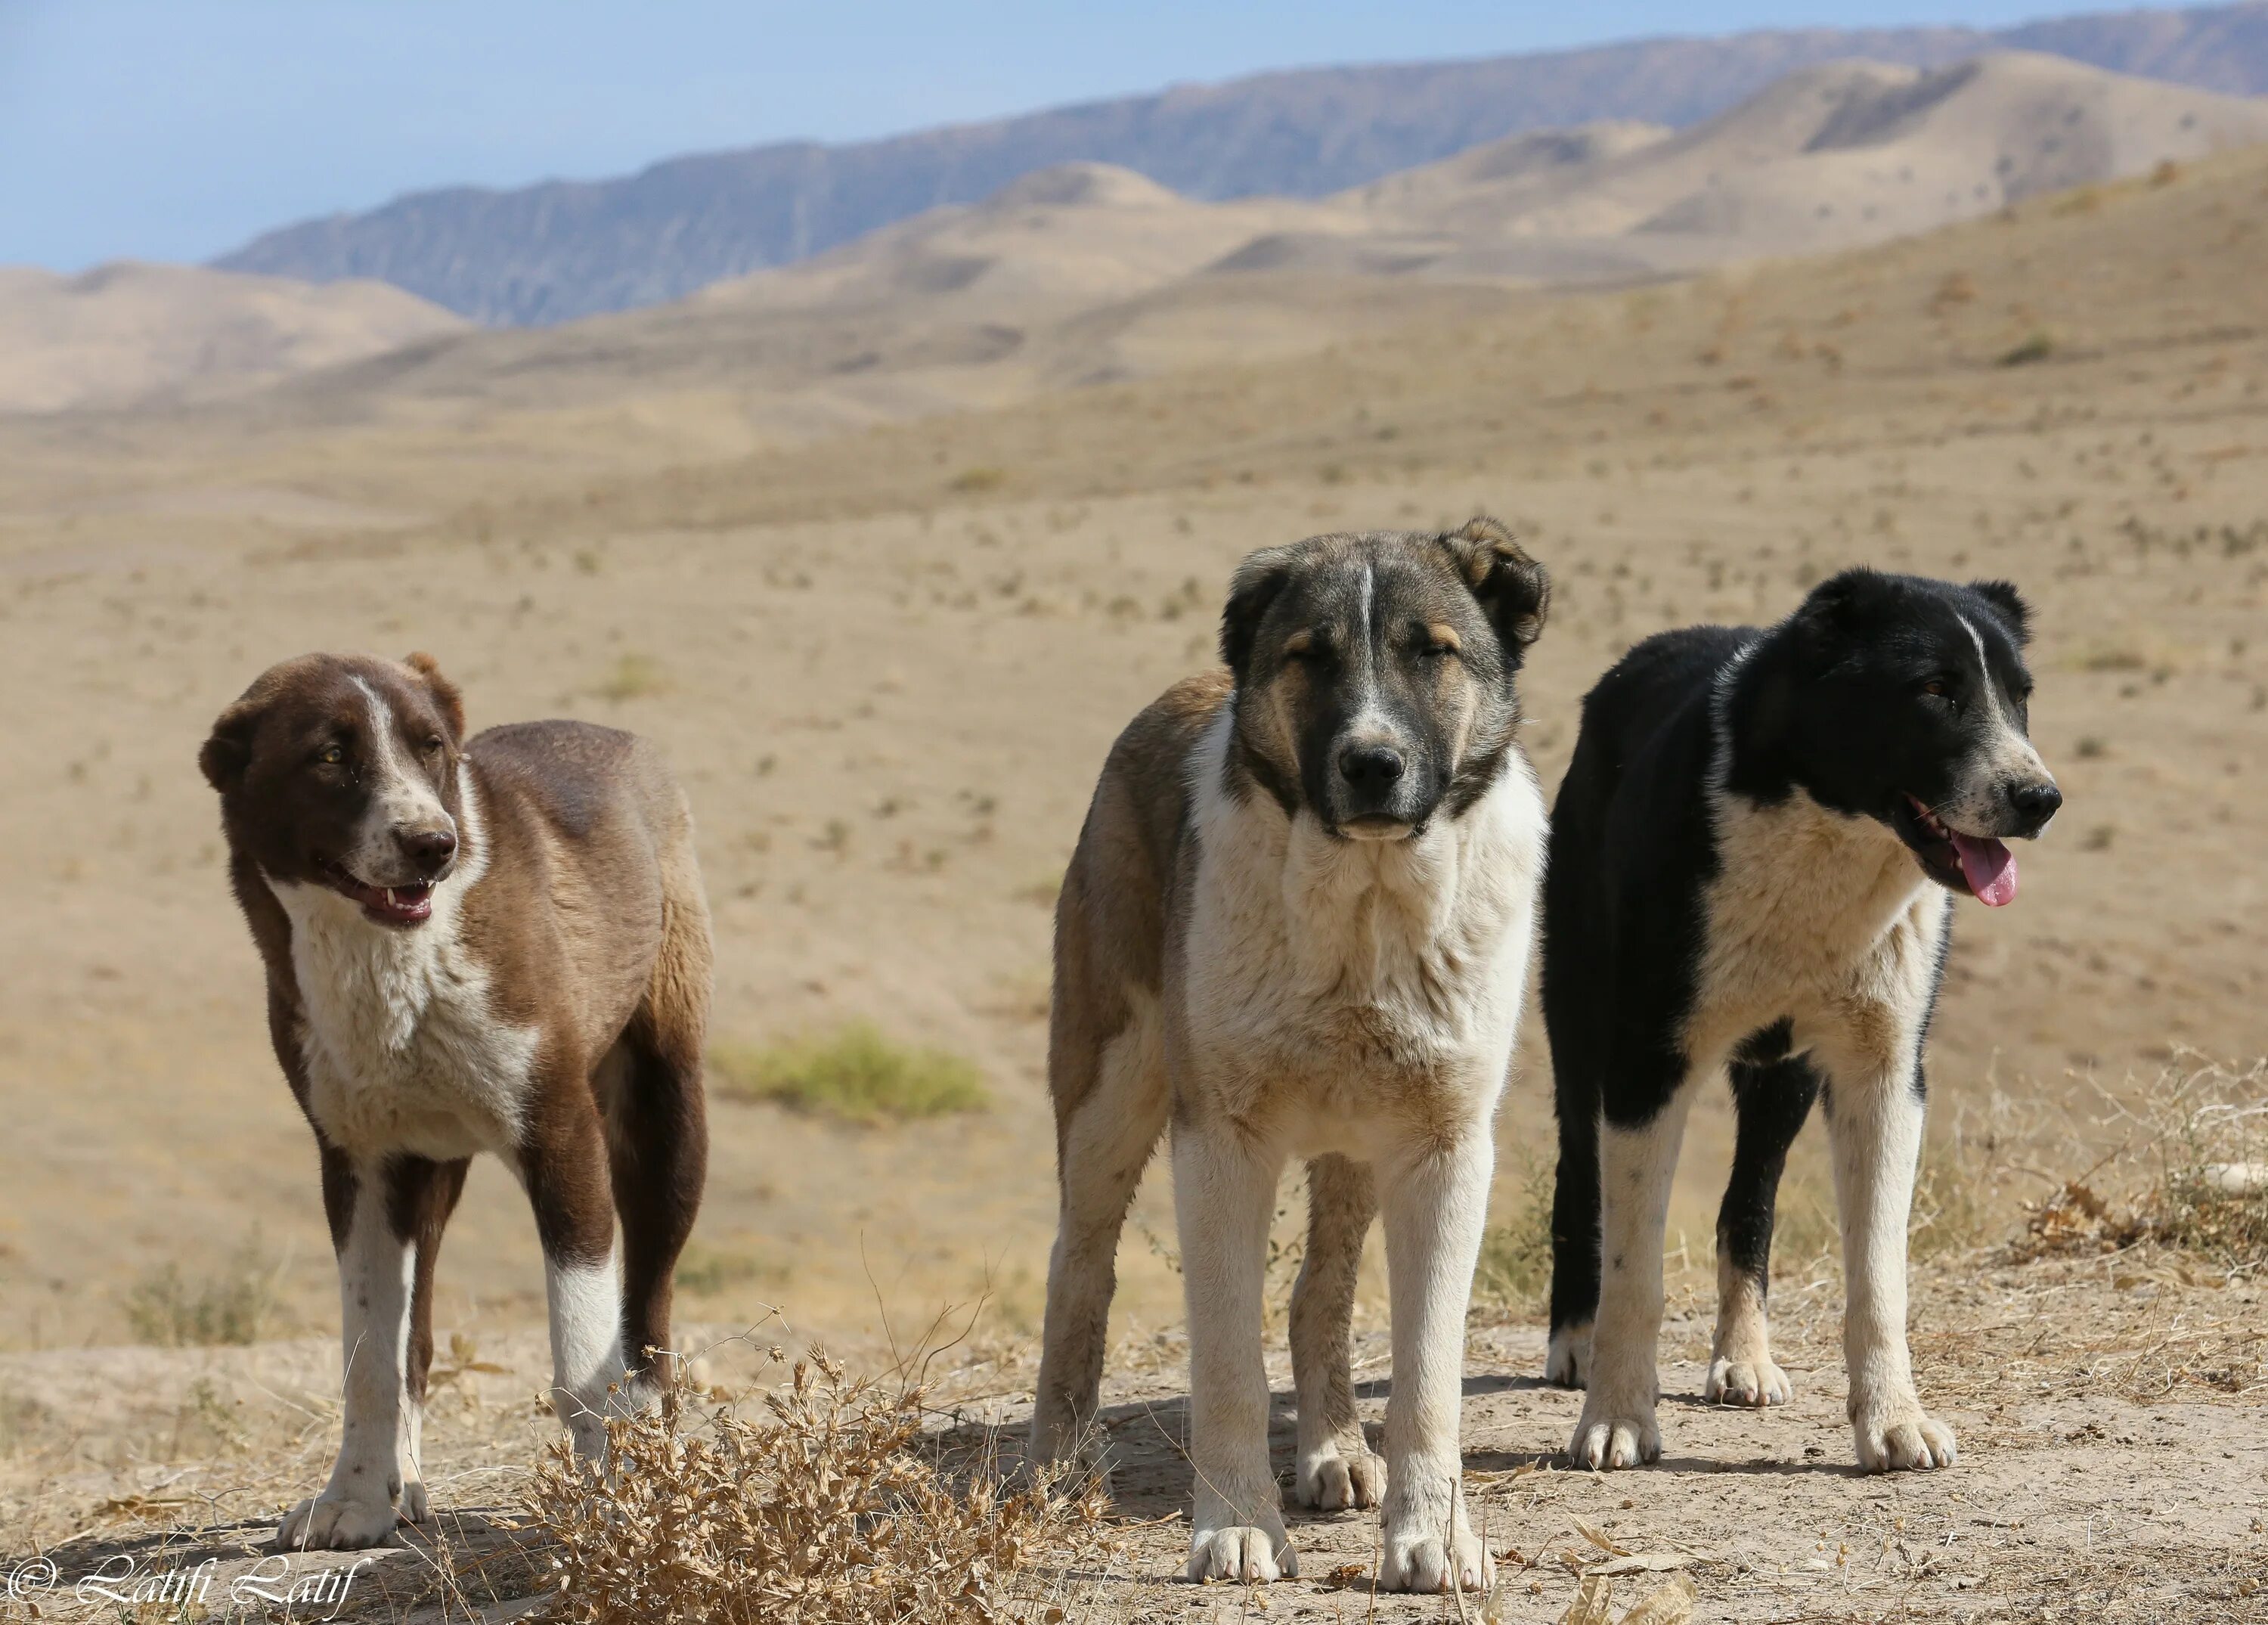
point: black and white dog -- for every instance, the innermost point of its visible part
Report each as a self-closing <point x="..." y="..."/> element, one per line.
<point x="1751" y="861"/>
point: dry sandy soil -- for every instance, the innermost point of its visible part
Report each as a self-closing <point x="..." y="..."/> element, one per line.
<point x="887" y="662"/>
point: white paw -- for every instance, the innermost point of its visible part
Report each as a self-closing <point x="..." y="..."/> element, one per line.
<point x="1755" y="1381"/>
<point x="1333" y="1480"/>
<point x="1242" y="1552"/>
<point x="328" y="1523"/>
<point x="1422" y="1562"/>
<point x="1569" y="1355"/>
<point x="1610" y="1436"/>
<point x="1896" y="1436"/>
<point x="416" y="1507"/>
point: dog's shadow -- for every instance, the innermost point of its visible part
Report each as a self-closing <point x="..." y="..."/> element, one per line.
<point x="1148" y="1446"/>
<point x="1147" y="1443"/>
<point x="473" y="1554"/>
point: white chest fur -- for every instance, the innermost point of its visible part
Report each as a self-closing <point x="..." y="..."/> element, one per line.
<point x="403" y="1047"/>
<point x="1813" y="915"/>
<point x="1368" y="978"/>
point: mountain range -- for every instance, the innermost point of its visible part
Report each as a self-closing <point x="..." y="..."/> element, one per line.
<point x="1084" y="273"/>
<point x="562" y="249"/>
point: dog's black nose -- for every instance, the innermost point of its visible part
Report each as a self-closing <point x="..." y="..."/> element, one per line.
<point x="2035" y="802"/>
<point x="430" y="850"/>
<point x="1370" y="767"/>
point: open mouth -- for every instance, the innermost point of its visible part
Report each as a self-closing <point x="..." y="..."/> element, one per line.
<point x="385" y="905"/>
<point x="1977" y="864"/>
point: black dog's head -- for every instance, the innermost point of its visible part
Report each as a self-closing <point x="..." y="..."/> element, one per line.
<point x="1374" y="672"/>
<point x="341" y="772"/>
<point x="1907" y="700"/>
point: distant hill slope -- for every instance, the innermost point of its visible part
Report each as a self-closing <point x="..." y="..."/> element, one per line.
<point x="1827" y="157"/>
<point x="134" y="333"/>
<point x="549" y="252"/>
<point x="1086" y="272"/>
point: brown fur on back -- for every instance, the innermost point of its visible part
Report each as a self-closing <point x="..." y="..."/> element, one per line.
<point x="1110" y="918"/>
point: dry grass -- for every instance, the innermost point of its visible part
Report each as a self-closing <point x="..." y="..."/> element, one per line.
<point x="833" y="1506"/>
<point x="2192" y="1173"/>
<point x="1515" y="1266"/>
<point x="857" y="1074"/>
<point x="234" y="1305"/>
<point x="631" y="676"/>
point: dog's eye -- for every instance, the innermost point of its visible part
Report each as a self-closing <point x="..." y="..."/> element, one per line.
<point x="1432" y="642"/>
<point x="332" y="755"/>
<point x="433" y="745"/>
<point x="1938" y="688"/>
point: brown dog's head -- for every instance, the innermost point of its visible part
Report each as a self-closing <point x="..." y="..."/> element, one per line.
<point x="1374" y="673"/>
<point x="341" y="771"/>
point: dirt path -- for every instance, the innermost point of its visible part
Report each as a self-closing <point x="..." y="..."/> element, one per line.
<point x="2113" y="1413"/>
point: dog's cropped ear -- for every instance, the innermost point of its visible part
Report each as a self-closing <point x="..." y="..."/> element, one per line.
<point x="227" y="750"/>
<point x="2009" y="605"/>
<point x="1253" y="587"/>
<point x="1514" y="588"/>
<point x="444" y="691"/>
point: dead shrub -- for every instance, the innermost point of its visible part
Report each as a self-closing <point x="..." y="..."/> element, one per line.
<point x="835" y="1506"/>
<point x="2193" y="1175"/>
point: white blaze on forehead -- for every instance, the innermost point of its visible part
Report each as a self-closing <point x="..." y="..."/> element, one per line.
<point x="403" y="795"/>
<point x="2009" y="737"/>
<point x="2005" y="754"/>
<point x="1366" y="719"/>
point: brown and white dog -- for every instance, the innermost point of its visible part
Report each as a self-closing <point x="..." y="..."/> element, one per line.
<point x="495" y="945"/>
<point x="1297" y="925"/>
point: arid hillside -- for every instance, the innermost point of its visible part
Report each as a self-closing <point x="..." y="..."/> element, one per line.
<point x="137" y="335"/>
<point x="888" y="661"/>
<point x="1087" y="274"/>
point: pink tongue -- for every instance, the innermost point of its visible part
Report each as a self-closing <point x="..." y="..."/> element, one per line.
<point x="1989" y="866"/>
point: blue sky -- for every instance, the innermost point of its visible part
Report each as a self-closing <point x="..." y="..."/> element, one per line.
<point x="176" y="128"/>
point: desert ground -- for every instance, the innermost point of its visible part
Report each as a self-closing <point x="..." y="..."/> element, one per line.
<point x="886" y="660"/>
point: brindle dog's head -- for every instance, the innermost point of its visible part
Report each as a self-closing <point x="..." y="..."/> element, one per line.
<point x="343" y="772"/>
<point x="1374" y="673"/>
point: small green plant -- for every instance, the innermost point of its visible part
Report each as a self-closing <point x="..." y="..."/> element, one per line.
<point x="1515" y="1267"/>
<point x="972" y="481"/>
<point x="2034" y="347"/>
<point x="235" y="1305"/>
<point x="856" y="1074"/>
<point x="705" y="1271"/>
<point x="632" y="676"/>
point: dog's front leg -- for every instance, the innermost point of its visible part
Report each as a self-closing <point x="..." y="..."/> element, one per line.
<point x="1224" y="1195"/>
<point x="1435" y="1206"/>
<point x="1636" y="1163"/>
<point x="1874" y="1126"/>
<point x="359" y="1506"/>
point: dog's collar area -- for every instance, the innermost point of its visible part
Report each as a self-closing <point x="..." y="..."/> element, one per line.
<point x="386" y="905"/>
<point x="1978" y="865"/>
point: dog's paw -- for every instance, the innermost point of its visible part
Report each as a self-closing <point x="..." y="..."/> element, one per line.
<point x="1755" y="1382"/>
<point x="1335" y="1479"/>
<point x="1610" y="1436"/>
<point x="1898" y="1436"/>
<point x="1419" y="1561"/>
<point x="328" y="1523"/>
<point x="1242" y="1552"/>
<point x="1569" y="1355"/>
